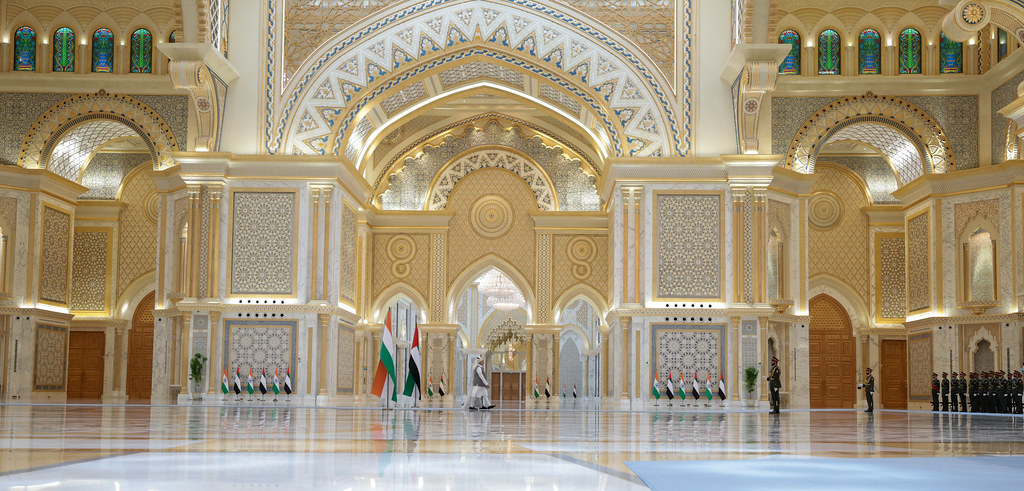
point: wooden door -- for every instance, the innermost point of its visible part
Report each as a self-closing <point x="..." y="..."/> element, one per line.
<point x="832" y="356"/>
<point x="85" y="365"/>
<point x="505" y="386"/>
<point x="140" y="351"/>
<point x="892" y="385"/>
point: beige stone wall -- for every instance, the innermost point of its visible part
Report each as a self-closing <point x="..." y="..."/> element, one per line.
<point x="839" y="237"/>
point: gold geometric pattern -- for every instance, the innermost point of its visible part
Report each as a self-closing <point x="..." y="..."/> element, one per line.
<point x="918" y="263"/>
<point x="964" y="212"/>
<point x="840" y="251"/>
<point x="346" y="359"/>
<point x="348" y="254"/>
<point x="89" y="271"/>
<point x="9" y="212"/>
<point x="263" y="243"/>
<point x="415" y="268"/>
<point x="137" y="235"/>
<point x="563" y="266"/>
<point x="919" y="351"/>
<point x="50" y="357"/>
<point x="778" y="212"/>
<point x="689" y="245"/>
<point x="53" y="271"/>
<point x="892" y="273"/>
<point x="514" y="247"/>
<point x="310" y="23"/>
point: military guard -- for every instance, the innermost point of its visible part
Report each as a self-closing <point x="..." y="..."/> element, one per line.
<point x="954" y="392"/>
<point x="869" y="390"/>
<point x="963" y="392"/>
<point x="945" y="391"/>
<point x="774" y="384"/>
<point x="1020" y="393"/>
<point x="972" y="390"/>
<point x="935" y="391"/>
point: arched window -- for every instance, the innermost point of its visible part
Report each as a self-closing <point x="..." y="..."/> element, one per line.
<point x="64" y="50"/>
<point x="25" y="49"/>
<point x="910" y="51"/>
<point x="103" y="51"/>
<point x="951" y="55"/>
<point x="173" y="38"/>
<point x="142" y="51"/>
<point x="828" y="52"/>
<point x="869" y="50"/>
<point x="791" y="65"/>
<point x="1003" y="43"/>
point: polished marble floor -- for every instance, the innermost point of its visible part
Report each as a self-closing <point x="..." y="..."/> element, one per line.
<point x="245" y="447"/>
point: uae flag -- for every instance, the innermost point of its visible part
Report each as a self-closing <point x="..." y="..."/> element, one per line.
<point x="238" y="381"/>
<point x="721" y="386"/>
<point x="251" y="387"/>
<point x="224" y="382"/>
<point x="656" y="388"/>
<point x="287" y="381"/>
<point x="707" y="387"/>
<point x="574" y="391"/>
<point x="536" y="388"/>
<point x="440" y="387"/>
<point x="277" y="383"/>
<point x="384" y="378"/>
<point x="412" y="381"/>
<point x="682" y="387"/>
<point x="695" y="387"/>
<point x="263" y="382"/>
<point x="430" y="386"/>
<point x="547" y="387"/>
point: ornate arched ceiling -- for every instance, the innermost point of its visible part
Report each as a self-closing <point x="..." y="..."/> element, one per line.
<point x="902" y="154"/>
<point x="406" y="54"/>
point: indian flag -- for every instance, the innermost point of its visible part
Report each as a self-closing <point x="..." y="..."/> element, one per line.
<point x="430" y="386"/>
<point x="563" y="391"/>
<point x="668" y="387"/>
<point x="536" y="389"/>
<point x="224" y="382"/>
<point x="277" y="383"/>
<point x="682" y="387"/>
<point x="384" y="378"/>
<point x="721" y="386"/>
<point x="251" y="388"/>
<point x="707" y="387"/>
<point x="656" y="389"/>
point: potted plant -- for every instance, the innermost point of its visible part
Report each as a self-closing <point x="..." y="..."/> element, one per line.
<point x="749" y="384"/>
<point x="196" y="375"/>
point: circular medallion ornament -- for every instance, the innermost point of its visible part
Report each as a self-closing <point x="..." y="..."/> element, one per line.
<point x="750" y="106"/>
<point x="400" y="250"/>
<point x="825" y="210"/>
<point x="582" y="251"/>
<point x="974" y="14"/>
<point x="491" y="216"/>
<point x="152" y="206"/>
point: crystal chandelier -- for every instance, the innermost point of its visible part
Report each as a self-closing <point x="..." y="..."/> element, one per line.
<point x="501" y="293"/>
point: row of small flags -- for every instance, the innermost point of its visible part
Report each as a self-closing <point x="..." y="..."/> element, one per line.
<point x="547" y="389"/>
<point x="277" y="387"/>
<point x="695" y="387"/>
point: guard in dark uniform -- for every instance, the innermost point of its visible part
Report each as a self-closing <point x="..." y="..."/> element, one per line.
<point x="1001" y="393"/>
<point x="774" y="384"/>
<point x="972" y="390"/>
<point x="945" y="392"/>
<point x="954" y="392"/>
<point x="1020" y="393"/>
<point x="869" y="390"/>
<point x="963" y="392"/>
<point x="935" y="392"/>
<point x="983" y="392"/>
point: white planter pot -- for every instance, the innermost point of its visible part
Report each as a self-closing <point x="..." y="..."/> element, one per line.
<point x="749" y="401"/>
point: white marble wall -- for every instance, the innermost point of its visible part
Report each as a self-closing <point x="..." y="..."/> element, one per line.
<point x="1004" y="261"/>
<point x="19" y="241"/>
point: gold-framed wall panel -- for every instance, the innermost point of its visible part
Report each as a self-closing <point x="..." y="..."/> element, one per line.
<point x="878" y="237"/>
<point x="109" y="274"/>
<point x="926" y="211"/>
<point x="43" y="243"/>
<point x="296" y="192"/>
<point x="721" y="194"/>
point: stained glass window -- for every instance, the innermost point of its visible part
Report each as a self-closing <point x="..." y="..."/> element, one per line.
<point x="103" y="51"/>
<point x="1003" y="45"/>
<point x="791" y="65"/>
<point x="869" y="50"/>
<point x="173" y="37"/>
<point x="64" y="50"/>
<point x="910" y="51"/>
<point x="951" y="55"/>
<point x="25" y="49"/>
<point x="828" y="52"/>
<point x="142" y="51"/>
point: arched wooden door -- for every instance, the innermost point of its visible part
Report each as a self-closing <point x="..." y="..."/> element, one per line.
<point x="140" y="351"/>
<point x="833" y="366"/>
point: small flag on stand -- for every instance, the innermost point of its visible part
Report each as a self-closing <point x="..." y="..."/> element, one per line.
<point x="238" y="381"/>
<point x="574" y="391"/>
<point x="430" y="386"/>
<point x="656" y="389"/>
<point x="547" y="387"/>
<point x="695" y="388"/>
<point x="707" y="387"/>
<point x="668" y="387"/>
<point x="536" y="389"/>
<point x="224" y="382"/>
<point x="263" y="382"/>
<point x="440" y="387"/>
<point x="563" y="391"/>
<point x="277" y="383"/>
<point x="251" y="388"/>
<point x="721" y="386"/>
<point x="287" y="381"/>
<point x="682" y="387"/>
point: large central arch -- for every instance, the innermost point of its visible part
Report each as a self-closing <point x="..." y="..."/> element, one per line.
<point x="604" y="72"/>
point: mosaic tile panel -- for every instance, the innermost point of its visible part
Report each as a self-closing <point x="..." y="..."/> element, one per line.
<point x="688" y="246"/>
<point x="347" y="360"/>
<point x="965" y="212"/>
<point x="137" y="236"/>
<point x="50" y="359"/>
<point x="105" y="173"/>
<point x="53" y="260"/>
<point x="919" y="348"/>
<point x="686" y="350"/>
<point x="570" y="368"/>
<point x="263" y="243"/>
<point x="892" y="273"/>
<point x="72" y="151"/>
<point x="918" y="263"/>
<point x="1001" y="97"/>
<point x="749" y="344"/>
<point x="261" y="344"/>
<point x="349" y="234"/>
<point x="89" y="271"/>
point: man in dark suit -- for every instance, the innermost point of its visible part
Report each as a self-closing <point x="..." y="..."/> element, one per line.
<point x="774" y="384"/>
<point x="935" y="391"/>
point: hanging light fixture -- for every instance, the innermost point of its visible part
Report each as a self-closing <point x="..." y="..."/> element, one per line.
<point x="501" y="293"/>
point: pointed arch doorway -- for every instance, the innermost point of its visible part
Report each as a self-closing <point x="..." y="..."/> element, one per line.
<point x="140" y="351"/>
<point x="833" y="366"/>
